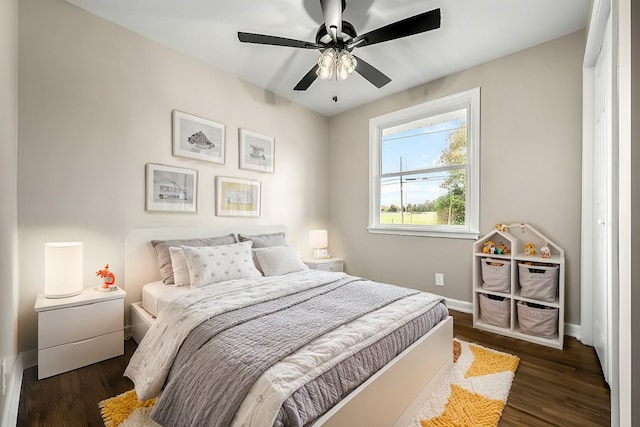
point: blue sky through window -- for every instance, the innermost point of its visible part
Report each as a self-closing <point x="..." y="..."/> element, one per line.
<point x="418" y="144"/>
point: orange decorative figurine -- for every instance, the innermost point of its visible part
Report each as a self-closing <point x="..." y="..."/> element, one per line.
<point x="108" y="278"/>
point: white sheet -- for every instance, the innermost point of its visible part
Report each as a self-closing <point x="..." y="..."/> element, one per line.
<point x="156" y="296"/>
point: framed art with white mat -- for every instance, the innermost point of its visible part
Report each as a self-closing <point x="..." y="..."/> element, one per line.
<point x="171" y="189"/>
<point x="237" y="197"/>
<point x="198" y="138"/>
<point x="256" y="151"/>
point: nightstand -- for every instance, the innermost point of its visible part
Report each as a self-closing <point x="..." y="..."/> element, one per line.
<point x="79" y="331"/>
<point x="325" y="264"/>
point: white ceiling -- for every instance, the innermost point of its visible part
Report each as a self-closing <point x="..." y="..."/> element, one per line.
<point x="472" y="32"/>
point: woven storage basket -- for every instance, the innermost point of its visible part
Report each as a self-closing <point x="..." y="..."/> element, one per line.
<point x="496" y="310"/>
<point x="496" y="275"/>
<point x="541" y="322"/>
<point x="538" y="281"/>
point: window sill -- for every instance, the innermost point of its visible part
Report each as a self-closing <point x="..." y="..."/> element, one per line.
<point x="421" y="232"/>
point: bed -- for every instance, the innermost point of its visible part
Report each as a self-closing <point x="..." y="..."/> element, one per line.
<point x="310" y="377"/>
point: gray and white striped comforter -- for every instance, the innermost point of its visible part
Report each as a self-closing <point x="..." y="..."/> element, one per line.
<point x="323" y="325"/>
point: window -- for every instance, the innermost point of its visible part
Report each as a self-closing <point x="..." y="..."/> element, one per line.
<point x="424" y="169"/>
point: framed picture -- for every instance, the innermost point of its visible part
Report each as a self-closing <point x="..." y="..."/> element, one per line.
<point x="256" y="151"/>
<point x="171" y="189"/>
<point x="237" y="197"/>
<point x="198" y="138"/>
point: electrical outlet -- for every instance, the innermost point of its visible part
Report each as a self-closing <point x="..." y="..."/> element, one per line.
<point x="439" y="279"/>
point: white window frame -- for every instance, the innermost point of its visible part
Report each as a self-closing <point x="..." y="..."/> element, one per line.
<point x="468" y="99"/>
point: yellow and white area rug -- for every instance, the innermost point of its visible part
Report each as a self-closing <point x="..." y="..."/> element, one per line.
<point x="125" y="410"/>
<point x="473" y="393"/>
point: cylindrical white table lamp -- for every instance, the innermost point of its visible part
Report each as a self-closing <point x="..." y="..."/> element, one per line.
<point x="62" y="269"/>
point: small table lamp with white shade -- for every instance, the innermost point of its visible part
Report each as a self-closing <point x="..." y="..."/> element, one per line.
<point x="62" y="269"/>
<point x="319" y="241"/>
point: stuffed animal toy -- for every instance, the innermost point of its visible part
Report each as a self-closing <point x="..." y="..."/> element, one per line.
<point x="502" y="249"/>
<point x="545" y="252"/>
<point x="502" y="227"/>
<point x="529" y="249"/>
<point x="489" y="247"/>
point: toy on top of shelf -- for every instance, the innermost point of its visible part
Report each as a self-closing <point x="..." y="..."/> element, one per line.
<point x="529" y="249"/>
<point x="503" y="249"/>
<point x="502" y="227"/>
<point x="489" y="247"/>
<point x="545" y="252"/>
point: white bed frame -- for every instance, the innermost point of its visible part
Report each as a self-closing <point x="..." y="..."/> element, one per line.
<point x="391" y="397"/>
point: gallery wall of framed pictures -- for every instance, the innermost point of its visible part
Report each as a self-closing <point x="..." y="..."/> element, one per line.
<point x="175" y="189"/>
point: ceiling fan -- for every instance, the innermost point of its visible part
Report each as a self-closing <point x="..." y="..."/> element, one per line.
<point x="337" y="38"/>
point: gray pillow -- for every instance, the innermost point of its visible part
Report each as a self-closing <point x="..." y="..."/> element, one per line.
<point x="264" y="240"/>
<point x="164" y="257"/>
<point x="278" y="260"/>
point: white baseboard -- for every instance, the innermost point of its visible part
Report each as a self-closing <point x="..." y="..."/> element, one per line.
<point x="572" y="330"/>
<point x="457" y="305"/>
<point x="467" y="307"/>
<point x="25" y="360"/>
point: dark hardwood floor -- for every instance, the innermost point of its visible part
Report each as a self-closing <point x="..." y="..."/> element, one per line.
<point x="551" y="387"/>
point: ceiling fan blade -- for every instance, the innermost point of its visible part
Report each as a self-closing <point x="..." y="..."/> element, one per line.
<point x="332" y="12"/>
<point x="308" y="78"/>
<point x="369" y="72"/>
<point x="407" y="27"/>
<point x="276" y="41"/>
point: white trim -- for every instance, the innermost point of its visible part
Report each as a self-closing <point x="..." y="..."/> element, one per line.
<point x="457" y="305"/>
<point x="468" y="99"/>
<point x="25" y="360"/>
<point x="624" y="408"/>
<point x="414" y="231"/>
<point x="587" y="221"/>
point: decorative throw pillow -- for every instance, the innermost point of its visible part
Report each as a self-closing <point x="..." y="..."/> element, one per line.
<point x="264" y="240"/>
<point x="180" y="267"/>
<point x="278" y="260"/>
<point x="215" y="264"/>
<point x="164" y="258"/>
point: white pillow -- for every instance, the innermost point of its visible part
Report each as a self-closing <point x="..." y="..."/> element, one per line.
<point x="180" y="267"/>
<point x="279" y="260"/>
<point x="215" y="264"/>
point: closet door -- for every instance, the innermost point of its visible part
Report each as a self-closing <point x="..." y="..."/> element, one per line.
<point x="603" y="205"/>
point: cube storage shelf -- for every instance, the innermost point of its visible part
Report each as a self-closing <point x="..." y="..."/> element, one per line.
<point x="544" y="311"/>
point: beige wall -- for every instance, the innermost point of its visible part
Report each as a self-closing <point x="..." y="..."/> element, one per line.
<point x="95" y="107"/>
<point x="531" y="106"/>
<point x="8" y="187"/>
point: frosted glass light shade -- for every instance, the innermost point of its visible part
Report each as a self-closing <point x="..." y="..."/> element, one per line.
<point x="318" y="241"/>
<point x="62" y="269"/>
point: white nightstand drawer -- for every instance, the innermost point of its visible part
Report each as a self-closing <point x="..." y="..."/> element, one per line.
<point x="331" y="266"/>
<point x="71" y="324"/>
<point x="326" y="264"/>
<point x="63" y="358"/>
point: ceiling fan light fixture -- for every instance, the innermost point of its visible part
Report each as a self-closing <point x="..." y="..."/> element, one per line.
<point x="345" y="65"/>
<point x="326" y="64"/>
